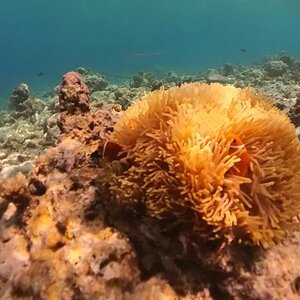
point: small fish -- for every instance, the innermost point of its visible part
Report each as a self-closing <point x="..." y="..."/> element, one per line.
<point x="243" y="50"/>
<point x="241" y="167"/>
<point x="40" y="74"/>
<point x="110" y="150"/>
<point x="143" y="54"/>
<point x="154" y="53"/>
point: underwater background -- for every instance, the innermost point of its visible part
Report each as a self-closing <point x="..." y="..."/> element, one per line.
<point x="190" y="193"/>
<point x="120" y="37"/>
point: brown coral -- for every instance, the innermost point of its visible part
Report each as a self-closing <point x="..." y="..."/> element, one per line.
<point x="217" y="158"/>
<point x="74" y="94"/>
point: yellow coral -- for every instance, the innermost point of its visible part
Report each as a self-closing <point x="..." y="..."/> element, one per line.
<point x="219" y="158"/>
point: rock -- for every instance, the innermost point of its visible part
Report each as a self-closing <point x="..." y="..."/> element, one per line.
<point x="19" y="95"/>
<point x="31" y="109"/>
<point x="227" y="70"/>
<point x="11" y="209"/>
<point x="14" y="257"/>
<point x="30" y="144"/>
<point x="93" y="80"/>
<point x="103" y="96"/>
<point x="74" y="94"/>
<point x="142" y="79"/>
<point x="9" y="171"/>
<point x="286" y="58"/>
<point x="96" y="83"/>
<point x="6" y="119"/>
<point x="214" y="76"/>
<point x="294" y="112"/>
<point x="3" y="155"/>
<point x="171" y="77"/>
<point x="275" y="68"/>
<point x="3" y="134"/>
<point x="125" y="95"/>
<point x="298" y="132"/>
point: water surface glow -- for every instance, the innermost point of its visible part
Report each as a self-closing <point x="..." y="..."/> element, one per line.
<point x="123" y="36"/>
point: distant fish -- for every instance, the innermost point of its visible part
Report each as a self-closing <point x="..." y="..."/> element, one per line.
<point x="40" y="74"/>
<point x="143" y="54"/>
<point x="154" y="53"/>
<point x="243" y="50"/>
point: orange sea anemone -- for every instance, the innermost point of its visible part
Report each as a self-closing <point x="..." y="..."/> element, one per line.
<point x="223" y="160"/>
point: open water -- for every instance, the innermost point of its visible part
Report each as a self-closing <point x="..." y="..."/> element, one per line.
<point x="42" y="39"/>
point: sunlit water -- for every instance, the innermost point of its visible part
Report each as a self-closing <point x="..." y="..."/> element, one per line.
<point x="123" y="36"/>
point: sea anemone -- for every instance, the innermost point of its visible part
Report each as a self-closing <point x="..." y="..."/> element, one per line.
<point x="221" y="160"/>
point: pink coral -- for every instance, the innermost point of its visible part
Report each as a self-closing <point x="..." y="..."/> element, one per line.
<point x="74" y="94"/>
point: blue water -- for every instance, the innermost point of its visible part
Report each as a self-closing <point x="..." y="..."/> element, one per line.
<point x="123" y="36"/>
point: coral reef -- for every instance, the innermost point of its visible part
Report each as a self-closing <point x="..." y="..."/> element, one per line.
<point x="73" y="94"/>
<point x="295" y="111"/>
<point x="23" y="103"/>
<point x="19" y="95"/>
<point x="117" y="94"/>
<point x="94" y="81"/>
<point x="61" y="236"/>
<point x="275" y="68"/>
<point x="142" y="79"/>
<point x="59" y="220"/>
<point x="24" y="134"/>
<point x="215" y="76"/>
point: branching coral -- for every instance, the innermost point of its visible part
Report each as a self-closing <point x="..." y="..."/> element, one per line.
<point x="220" y="159"/>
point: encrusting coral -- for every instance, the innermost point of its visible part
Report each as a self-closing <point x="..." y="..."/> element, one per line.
<point x="221" y="160"/>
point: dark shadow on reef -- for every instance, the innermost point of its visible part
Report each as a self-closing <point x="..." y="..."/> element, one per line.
<point x="175" y="254"/>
